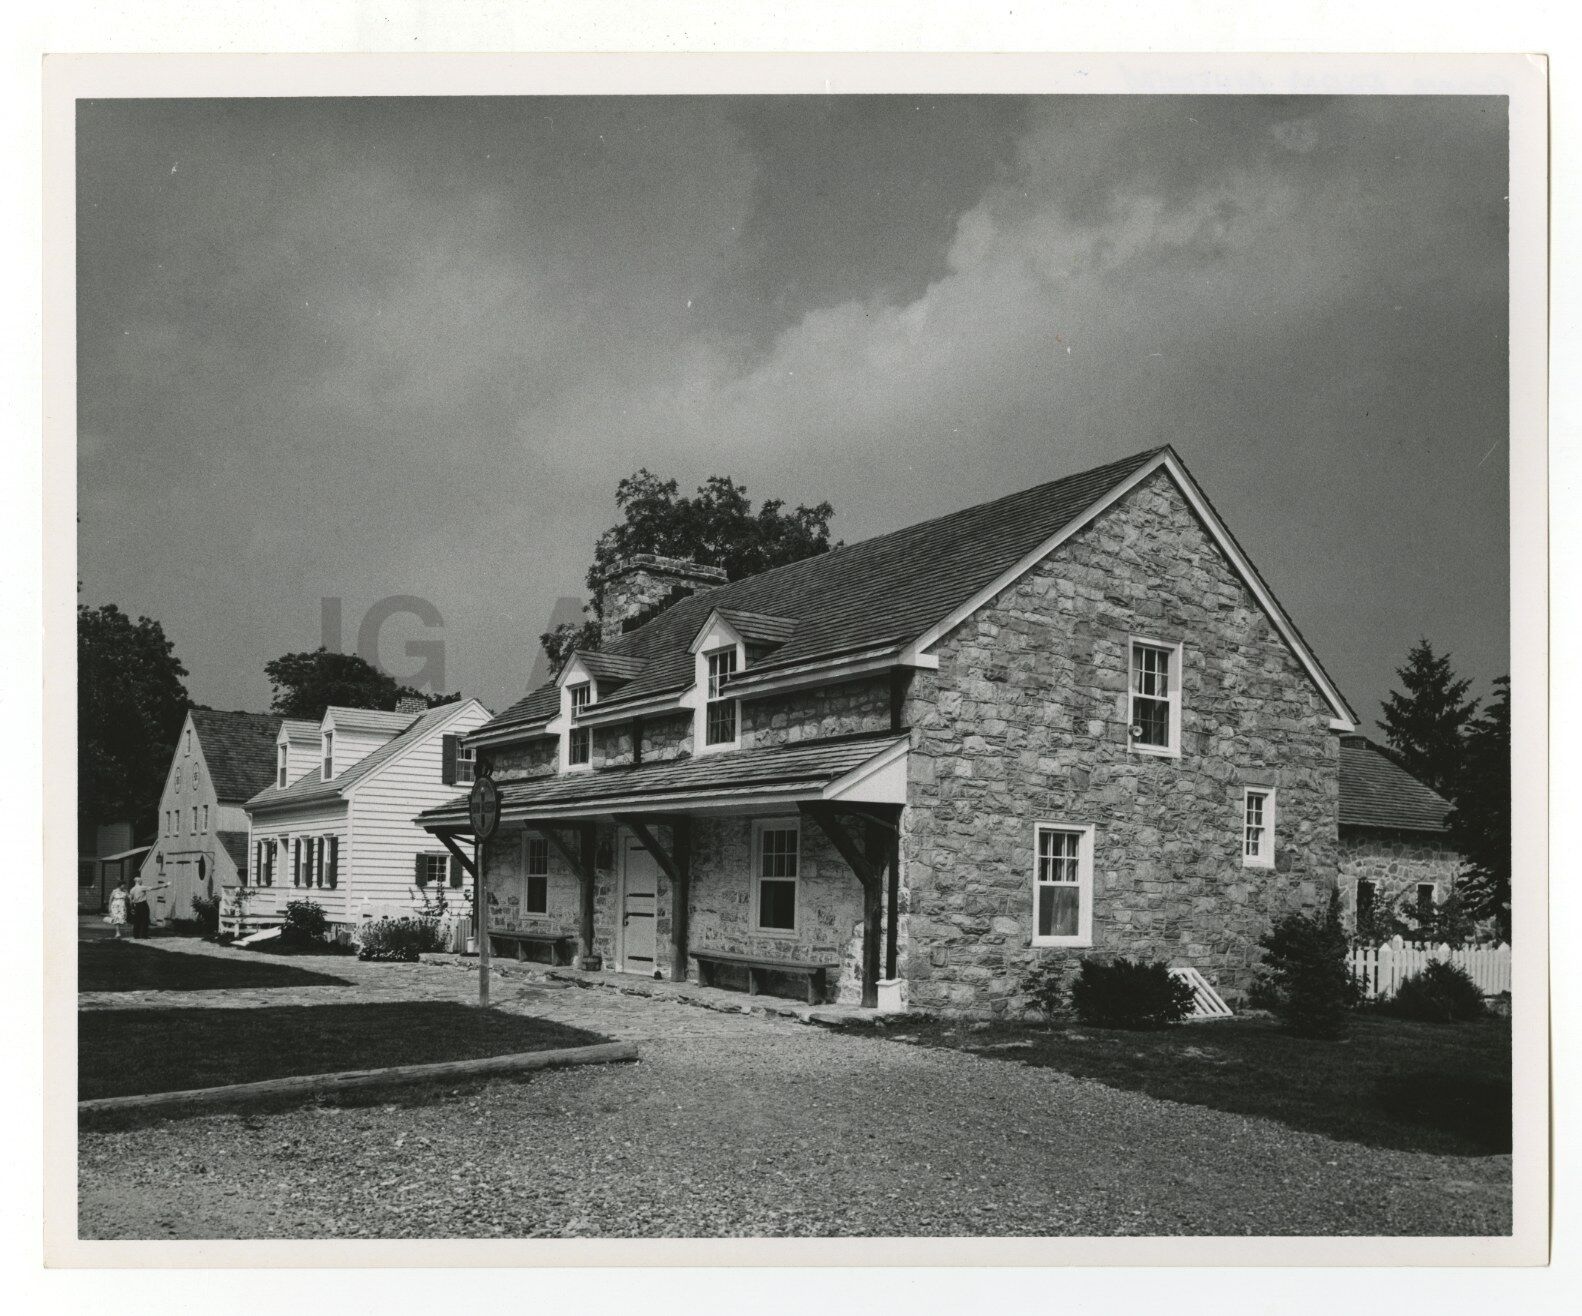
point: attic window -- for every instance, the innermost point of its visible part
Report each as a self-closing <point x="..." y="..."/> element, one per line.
<point x="722" y="713"/>
<point x="579" y="740"/>
<point x="280" y="769"/>
<point x="329" y="755"/>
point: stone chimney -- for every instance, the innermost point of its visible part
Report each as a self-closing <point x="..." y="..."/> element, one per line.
<point x="642" y="586"/>
<point x="411" y="704"/>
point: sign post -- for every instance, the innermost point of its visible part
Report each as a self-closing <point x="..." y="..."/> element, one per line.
<point x="483" y="809"/>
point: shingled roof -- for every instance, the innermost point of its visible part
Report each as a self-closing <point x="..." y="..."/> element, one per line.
<point x="1375" y="791"/>
<point x="806" y="765"/>
<point x="239" y="749"/>
<point x="888" y="589"/>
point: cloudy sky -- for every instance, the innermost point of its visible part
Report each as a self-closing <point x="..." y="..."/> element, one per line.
<point x="356" y="349"/>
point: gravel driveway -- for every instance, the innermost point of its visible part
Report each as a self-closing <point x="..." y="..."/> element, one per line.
<point x="732" y="1125"/>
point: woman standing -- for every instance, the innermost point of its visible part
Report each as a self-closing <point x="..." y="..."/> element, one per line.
<point x="120" y="899"/>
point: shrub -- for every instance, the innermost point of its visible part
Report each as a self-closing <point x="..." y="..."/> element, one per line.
<point x="1440" y="994"/>
<point x="1307" y="974"/>
<point x="1128" y="994"/>
<point x="399" y="938"/>
<point x="206" y="914"/>
<point x="305" y="923"/>
<point x="1044" y="985"/>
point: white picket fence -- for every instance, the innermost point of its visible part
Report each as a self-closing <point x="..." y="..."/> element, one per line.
<point x="1383" y="968"/>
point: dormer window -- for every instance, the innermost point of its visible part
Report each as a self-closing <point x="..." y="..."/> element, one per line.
<point x="329" y="755"/>
<point x="721" y="717"/>
<point x="280" y="766"/>
<point x="579" y="740"/>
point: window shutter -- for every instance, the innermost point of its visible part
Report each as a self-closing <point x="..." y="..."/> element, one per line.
<point x="447" y="773"/>
<point x="335" y="867"/>
<point x="422" y="872"/>
<point x="455" y="871"/>
<point x="296" y="862"/>
<point x="318" y="863"/>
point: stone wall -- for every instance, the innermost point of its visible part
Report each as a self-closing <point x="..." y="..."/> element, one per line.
<point x="817" y="713"/>
<point x="664" y="738"/>
<point x="1397" y="861"/>
<point x="1027" y="721"/>
<point x="643" y="583"/>
<point x="524" y="758"/>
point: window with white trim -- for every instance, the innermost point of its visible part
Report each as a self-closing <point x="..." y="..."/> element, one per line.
<point x="1154" y="710"/>
<point x="1257" y="827"/>
<point x="579" y="740"/>
<point x="436" y="869"/>
<point x="329" y="755"/>
<point x="280" y="766"/>
<point x="466" y="762"/>
<point x="721" y="716"/>
<point x="535" y="868"/>
<point x="205" y="817"/>
<point x="1062" y="885"/>
<point x="775" y="880"/>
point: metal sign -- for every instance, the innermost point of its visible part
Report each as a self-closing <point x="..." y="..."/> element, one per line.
<point x="483" y="808"/>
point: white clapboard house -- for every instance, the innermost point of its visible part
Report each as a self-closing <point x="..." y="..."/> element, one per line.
<point x="335" y="826"/>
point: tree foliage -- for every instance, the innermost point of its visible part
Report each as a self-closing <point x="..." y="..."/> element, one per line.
<point x="305" y="684"/>
<point x="717" y="527"/>
<point x="130" y="704"/>
<point x="1424" y="723"/>
<point x="1480" y="821"/>
<point x="1307" y="972"/>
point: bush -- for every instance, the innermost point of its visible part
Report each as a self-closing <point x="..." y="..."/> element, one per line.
<point x="399" y="938"/>
<point x="1044" y="985"/>
<point x="1128" y="994"/>
<point x="305" y="923"/>
<point x="1307" y="975"/>
<point x="206" y="914"/>
<point x="1440" y="994"/>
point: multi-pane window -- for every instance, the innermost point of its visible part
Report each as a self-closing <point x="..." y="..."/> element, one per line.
<point x="436" y="869"/>
<point x="205" y="817"/>
<point x="1155" y="686"/>
<point x="1257" y="831"/>
<point x="280" y="766"/>
<point x="777" y="878"/>
<point x="329" y="755"/>
<point x="1062" y="886"/>
<point x="579" y="740"/>
<point x="307" y="860"/>
<point x="720" y="719"/>
<point x="466" y="761"/>
<point x="535" y="864"/>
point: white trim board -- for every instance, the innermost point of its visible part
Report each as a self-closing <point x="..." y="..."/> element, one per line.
<point x="1344" y="719"/>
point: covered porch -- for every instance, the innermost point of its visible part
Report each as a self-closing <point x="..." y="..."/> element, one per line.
<point x="774" y="863"/>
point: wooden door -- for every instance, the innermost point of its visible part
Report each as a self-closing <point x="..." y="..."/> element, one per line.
<point x="639" y="908"/>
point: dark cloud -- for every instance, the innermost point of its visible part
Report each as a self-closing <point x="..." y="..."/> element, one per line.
<point x="362" y="348"/>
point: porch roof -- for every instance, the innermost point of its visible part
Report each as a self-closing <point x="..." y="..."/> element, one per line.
<point x="848" y="767"/>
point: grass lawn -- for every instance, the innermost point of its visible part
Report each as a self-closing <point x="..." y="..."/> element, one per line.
<point x="125" y="966"/>
<point x="1442" y="1088"/>
<point x="123" y="1052"/>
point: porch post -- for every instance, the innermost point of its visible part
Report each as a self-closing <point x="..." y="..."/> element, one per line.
<point x="892" y="900"/>
<point x="585" y="831"/>
<point x="875" y="844"/>
<point x="680" y="894"/>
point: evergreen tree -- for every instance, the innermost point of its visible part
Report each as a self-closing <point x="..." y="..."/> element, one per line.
<point x="1425" y="725"/>
<point x="1480" y="822"/>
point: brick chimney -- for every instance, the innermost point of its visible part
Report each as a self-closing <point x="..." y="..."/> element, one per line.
<point x="639" y="587"/>
<point x="411" y="704"/>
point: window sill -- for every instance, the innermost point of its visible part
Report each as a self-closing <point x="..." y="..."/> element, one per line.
<point x="1154" y="751"/>
<point x="1062" y="943"/>
<point x="723" y="748"/>
<point x="779" y="934"/>
<point x="1266" y="864"/>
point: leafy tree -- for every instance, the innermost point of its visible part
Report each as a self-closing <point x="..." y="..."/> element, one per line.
<point x="718" y="527"/>
<point x="1480" y="821"/>
<point x="1307" y="973"/>
<point x="305" y="684"/>
<point x="1425" y="724"/>
<point x="130" y="704"/>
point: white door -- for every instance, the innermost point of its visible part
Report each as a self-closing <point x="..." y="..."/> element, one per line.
<point x="639" y="907"/>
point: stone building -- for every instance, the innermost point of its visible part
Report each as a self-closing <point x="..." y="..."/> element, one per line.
<point x="1073" y="721"/>
<point x="1395" y="851"/>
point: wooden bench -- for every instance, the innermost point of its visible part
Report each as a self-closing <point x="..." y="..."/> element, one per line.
<point x="560" y="945"/>
<point x="816" y="973"/>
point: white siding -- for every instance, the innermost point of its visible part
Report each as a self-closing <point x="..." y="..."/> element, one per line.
<point x="387" y="841"/>
<point x="175" y="855"/>
<point x="310" y="821"/>
<point x="352" y="747"/>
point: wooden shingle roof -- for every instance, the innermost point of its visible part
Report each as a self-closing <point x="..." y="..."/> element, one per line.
<point x="1375" y="791"/>
<point x="888" y="589"/>
<point x="239" y="749"/>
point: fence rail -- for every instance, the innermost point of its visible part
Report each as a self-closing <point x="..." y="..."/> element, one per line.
<point x="1382" y="969"/>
